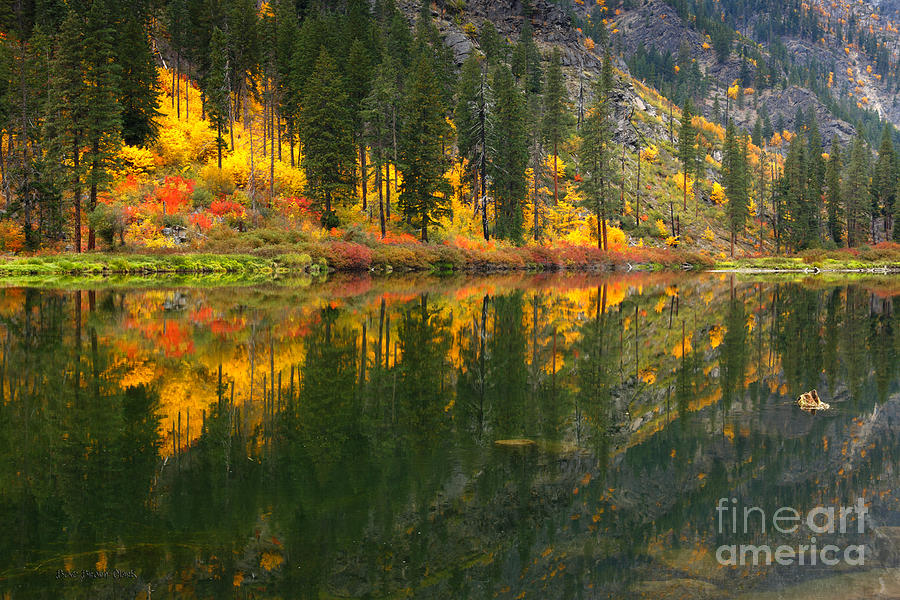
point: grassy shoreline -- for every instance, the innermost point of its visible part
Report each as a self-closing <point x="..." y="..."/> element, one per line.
<point x="344" y="257"/>
<point x="317" y="259"/>
<point x="882" y="258"/>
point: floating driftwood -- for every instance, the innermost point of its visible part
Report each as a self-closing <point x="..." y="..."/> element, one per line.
<point x="810" y="401"/>
<point x="515" y="443"/>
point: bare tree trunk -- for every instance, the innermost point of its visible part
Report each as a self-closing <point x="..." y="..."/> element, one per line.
<point x="380" y="201"/>
<point x="537" y="201"/>
<point x="178" y="84"/>
<point x="272" y="153"/>
<point x="394" y="134"/>
<point x="248" y="126"/>
<point x="637" y="194"/>
<point x="605" y="239"/>
<point x="219" y="142"/>
<point x="231" y="118"/>
<point x="93" y="198"/>
<point x="2" y="166"/>
<point x="76" y="194"/>
<point x="555" y="175"/>
<point x="272" y="158"/>
<point x="364" y="171"/>
<point x="387" y="191"/>
<point x="265" y="118"/>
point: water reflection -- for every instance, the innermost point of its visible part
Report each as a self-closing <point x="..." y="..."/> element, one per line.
<point x="338" y="439"/>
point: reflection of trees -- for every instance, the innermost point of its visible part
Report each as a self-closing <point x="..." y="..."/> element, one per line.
<point x="733" y="359"/>
<point x="798" y="338"/>
<point x="80" y="453"/>
<point x="381" y="473"/>
<point x="422" y="387"/>
<point x="595" y="372"/>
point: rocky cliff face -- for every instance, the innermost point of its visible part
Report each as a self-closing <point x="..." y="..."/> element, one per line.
<point x="656" y="24"/>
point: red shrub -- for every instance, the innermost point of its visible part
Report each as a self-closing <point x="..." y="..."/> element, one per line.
<point x="347" y="256"/>
<point x="220" y="208"/>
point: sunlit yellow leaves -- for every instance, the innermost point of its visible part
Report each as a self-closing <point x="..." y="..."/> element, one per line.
<point x="683" y="347"/>
<point x="716" y="335"/>
<point x="661" y="228"/>
<point x="650" y="153"/>
<point x="615" y="238"/>
<point x="718" y="194"/>
<point x="270" y="560"/>
<point x="708" y="128"/>
<point x="140" y="374"/>
<point x="708" y="235"/>
<point x="648" y="375"/>
<point x="660" y="305"/>
<point x="679" y="179"/>
<point x="134" y="162"/>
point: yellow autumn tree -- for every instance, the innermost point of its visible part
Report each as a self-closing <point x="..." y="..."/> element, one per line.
<point x="650" y="153"/>
<point x="718" y="194"/>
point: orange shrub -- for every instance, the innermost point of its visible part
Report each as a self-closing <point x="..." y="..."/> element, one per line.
<point x="12" y="238"/>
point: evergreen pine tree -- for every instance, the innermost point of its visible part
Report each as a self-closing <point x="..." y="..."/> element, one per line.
<point x="687" y="146"/>
<point x="139" y="91"/>
<point x="102" y="125"/>
<point x="734" y="176"/>
<point x="833" y="199"/>
<point x="243" y="69"/>
<point x="526" y="64"/>
<point x="327" y="125"/>
<point x="884" y="180"/>
<point x="63" y="128"/>
<point x="378" y="115"/>
<point x="216" y="90"/>
<point x="490" y="42"/>
<point x="358" y="73"/>
<point x="510" y="155"/>
<point x="287" y="32"/>
<point x="815" y="190"/>
<point x="757" y="137"/>
<point x="556" y="113"/>
<point x="466" y="118"/>
<point x="856" y="192"/>
<point x="424" y="192"/>
<point x="795" y="199"/>
<point x="596" y="157"/>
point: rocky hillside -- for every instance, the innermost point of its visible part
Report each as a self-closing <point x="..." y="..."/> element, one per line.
<point x="834" y="75"/>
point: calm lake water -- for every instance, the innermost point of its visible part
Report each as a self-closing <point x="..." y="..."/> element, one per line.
<point x="340" y="439"/>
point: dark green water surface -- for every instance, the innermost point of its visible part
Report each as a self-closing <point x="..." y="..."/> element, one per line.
<point x="340" y="439"/>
